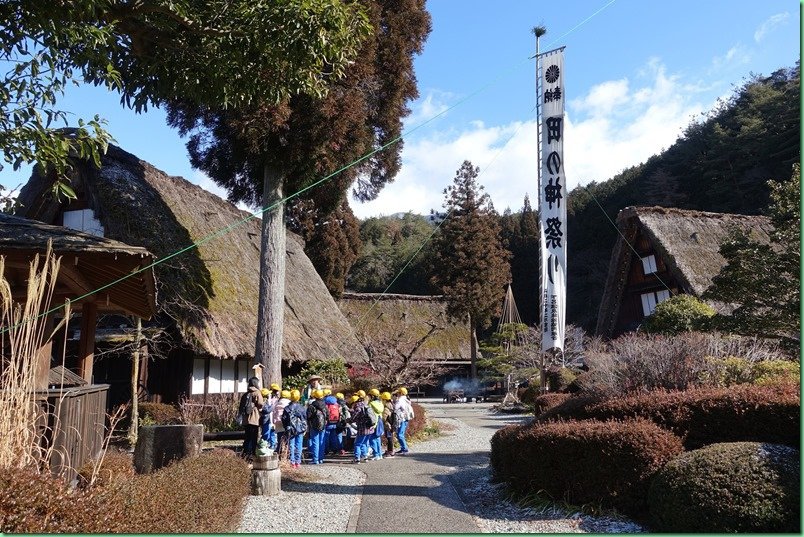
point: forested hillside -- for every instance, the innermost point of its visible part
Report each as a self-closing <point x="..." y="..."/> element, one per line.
<point x="721" y="163"/>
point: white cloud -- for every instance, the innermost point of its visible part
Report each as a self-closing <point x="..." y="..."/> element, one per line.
<point x="612" y="127"/>
<point x="736" y="55"/>
<point x="770" y="24"/>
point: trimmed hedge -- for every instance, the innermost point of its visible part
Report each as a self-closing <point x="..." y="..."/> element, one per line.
<point x="733" y="487"/>
<point x="702" y="416"/>
<point x="418" y="423"/>
<point x="34" y="502"/>
<point x="203" y="494"/>
<point x="610" y="463"/>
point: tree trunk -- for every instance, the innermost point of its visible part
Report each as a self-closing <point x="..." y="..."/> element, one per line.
<point x="271" y="305"/>
<point x="473" y="366"/>
<point x="135" y="385"/>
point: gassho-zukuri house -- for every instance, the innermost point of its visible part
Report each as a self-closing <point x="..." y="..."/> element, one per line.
<point x="672" y="248"/>
<point x="206" y="296"/>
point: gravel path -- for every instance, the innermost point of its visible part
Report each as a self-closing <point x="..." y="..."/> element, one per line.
<point x="332" y="488"/>
<point x="336" y="487"/>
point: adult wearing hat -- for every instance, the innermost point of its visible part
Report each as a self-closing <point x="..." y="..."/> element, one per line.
<point x="313" y="383"/>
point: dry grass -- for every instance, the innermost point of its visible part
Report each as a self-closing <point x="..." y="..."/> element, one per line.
<point x="25" y="331"/>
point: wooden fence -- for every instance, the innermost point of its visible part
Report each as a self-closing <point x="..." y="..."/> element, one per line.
<point x="73" y="426"/>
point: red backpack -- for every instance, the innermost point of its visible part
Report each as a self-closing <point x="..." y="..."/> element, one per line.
<point x="333" y="413"/>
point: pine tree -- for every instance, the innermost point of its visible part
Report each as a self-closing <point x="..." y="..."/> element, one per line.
<point x="471" y="263"/>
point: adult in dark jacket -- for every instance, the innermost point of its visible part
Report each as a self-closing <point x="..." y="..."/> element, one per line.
<point x="252" y="421"/>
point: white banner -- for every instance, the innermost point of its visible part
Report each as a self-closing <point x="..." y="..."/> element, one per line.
<point x="553" y="202"/>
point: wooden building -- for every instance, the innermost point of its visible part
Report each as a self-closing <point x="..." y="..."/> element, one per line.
<point x="662" y="252"/>
<point x="403" y="321"/>
<point x="72" y="408"/>
<point x="207" y="274"/>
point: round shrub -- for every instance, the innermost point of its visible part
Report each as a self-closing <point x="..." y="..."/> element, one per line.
<point x="559" y="379"/>
<point x="528" y="395"/>
<point x="610" y="463"/>
<point x="726" y="488"/>
<point x="681" y="313"/>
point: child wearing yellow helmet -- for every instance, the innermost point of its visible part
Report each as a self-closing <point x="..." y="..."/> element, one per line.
<point x="389" y="423"/>
<point x="403" y="411"/>
<point x="294" y="421"/>
<point x="276" y="419"/>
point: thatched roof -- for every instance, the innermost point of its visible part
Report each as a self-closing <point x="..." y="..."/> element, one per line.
<point x="376" y="316"/>
<point x="210" y="291"/>
<point x="88" y="263"/>
<point x="688" y="242"/>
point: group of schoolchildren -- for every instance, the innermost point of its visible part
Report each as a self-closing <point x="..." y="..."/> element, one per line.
<point x="329" y="422"/>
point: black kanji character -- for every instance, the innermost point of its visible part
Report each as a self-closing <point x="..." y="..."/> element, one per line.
<point x="548" y="96"/>
<point x="553" y="233"/>
<point x="553" y="128"/>
<point x="553" y="159"/>
<point x="552" y="193"/>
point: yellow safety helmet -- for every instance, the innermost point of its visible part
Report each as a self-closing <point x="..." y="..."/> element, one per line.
<point x="295" y="395"/>
<point x="318" y="394"/>
<point x="339" y="395"/>
<point x="265" y="392"/>
<point x="285" y="394"/>
<point x="375" y="392"/>
<point x="402" y="391"/>
<point x="385" y="396"/>
<point x="355" y="398"/>
<point x="275" y="387"/>
<point x="361" y="394"/>
<point x="327" y="391"/>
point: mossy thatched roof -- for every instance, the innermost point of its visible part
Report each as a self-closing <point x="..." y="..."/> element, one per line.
<point x="688" y="241"/>
<point x="211" y="290"/>
<point x="386" y="316"/>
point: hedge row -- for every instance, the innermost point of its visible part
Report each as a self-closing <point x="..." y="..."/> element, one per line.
<point x="608" y="463"/>
<point x="203" y="494"/>
<point x="702" y="416"/>
<point x="547" y="401"/>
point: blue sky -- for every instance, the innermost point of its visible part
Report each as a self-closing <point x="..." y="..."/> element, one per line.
<point x="636" y="73"/>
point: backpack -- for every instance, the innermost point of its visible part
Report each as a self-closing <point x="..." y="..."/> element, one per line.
<point x="292" y="422"/>
<point x="399" y="416"/>
<point x="245" y="409"/>
<point x="317" y="417"/>
<point x="333" y="413"/>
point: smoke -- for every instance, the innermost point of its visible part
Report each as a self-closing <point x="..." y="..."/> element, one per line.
<point x="467" y="385"/>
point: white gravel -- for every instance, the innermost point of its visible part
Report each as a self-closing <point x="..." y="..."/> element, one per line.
<point x="486" y="500"/>
<point x="324" y="502"/>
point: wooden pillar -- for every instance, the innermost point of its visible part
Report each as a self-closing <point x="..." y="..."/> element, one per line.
<point x="43" y="356"/>
<point x="86" y="346"/>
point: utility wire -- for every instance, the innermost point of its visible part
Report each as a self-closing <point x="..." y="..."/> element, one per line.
<point x="227" y="229"/>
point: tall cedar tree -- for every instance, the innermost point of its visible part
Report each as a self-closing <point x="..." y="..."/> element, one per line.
<point x="261" y="153"/>
<point x="471" y="264"/>
<point x="332" y="243"/>
<point x="764" y="281"/>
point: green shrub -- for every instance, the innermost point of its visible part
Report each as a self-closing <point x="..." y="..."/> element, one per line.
<point x="607" y="463"/>
<point x="528" y="395"/>
<point x="728" y="488"/>
<point x="547" y="401"/>
<point x="681" y="313"/>
<point x="732" y="370"/>
<point x="158" y="414"/>
<point x="34" y="502"/>
<point x="559" y="379"/>
<point x="702" y="416"/>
